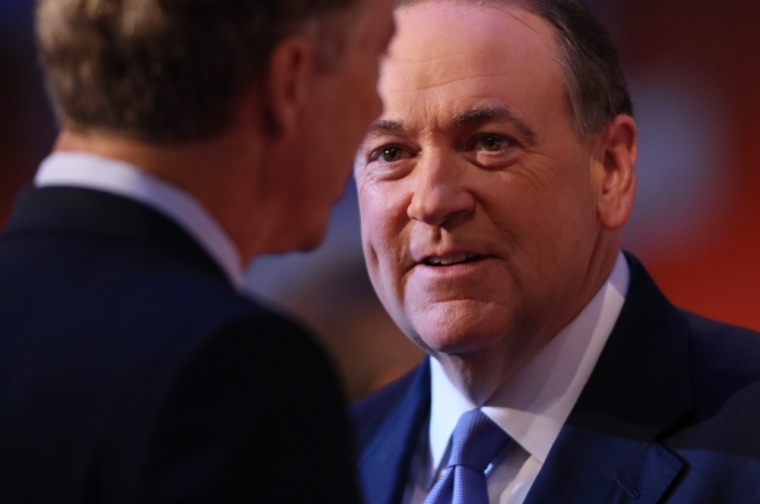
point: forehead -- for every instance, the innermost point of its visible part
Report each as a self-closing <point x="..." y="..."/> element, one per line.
<point x="451" y="55"/>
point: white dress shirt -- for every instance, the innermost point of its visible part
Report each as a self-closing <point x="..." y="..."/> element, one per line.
<point x="531" y="407"/>
<point x="78" y="169"/>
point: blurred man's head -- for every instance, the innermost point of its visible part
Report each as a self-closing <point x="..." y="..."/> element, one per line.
<point x="494" y="186"/>
<point x="283" y="89"/>
<point x="170" y="70"/>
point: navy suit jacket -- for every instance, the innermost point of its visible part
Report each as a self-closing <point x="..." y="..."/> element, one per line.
<point x="132" y="372"/>
<point x="670" y="414"/>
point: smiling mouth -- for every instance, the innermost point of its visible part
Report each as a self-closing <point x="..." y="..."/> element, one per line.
<point x="452" y="259"/>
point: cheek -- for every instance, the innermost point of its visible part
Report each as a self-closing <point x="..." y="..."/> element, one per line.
<point x="576" y="209"/>
<point x="384" y="240"/>
<point x="377" y="228"/>
<point x="383" y="207"/>
<point x="381" y="252"/>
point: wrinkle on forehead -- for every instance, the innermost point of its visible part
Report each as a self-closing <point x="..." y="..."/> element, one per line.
<point x="477" y="46"/>
<point x="451" y="56"/>
<point x="520" y="11"/>
<point x="425" y="86"/>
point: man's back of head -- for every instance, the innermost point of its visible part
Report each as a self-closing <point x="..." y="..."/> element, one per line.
<point x="168" y="70"/>
<point x="253" y="107"/>
<point x="195" y="134"/>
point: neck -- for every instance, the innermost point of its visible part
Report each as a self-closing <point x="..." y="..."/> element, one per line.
<point x="208" y="170"/>
<point x="479" y="375"/>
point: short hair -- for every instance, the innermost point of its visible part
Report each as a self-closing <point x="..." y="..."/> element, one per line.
<point x="595" y="84"/>
<point x="167" y="70"/>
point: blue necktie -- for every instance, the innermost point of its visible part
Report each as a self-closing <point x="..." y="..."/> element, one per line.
<point x="474" y="444"/>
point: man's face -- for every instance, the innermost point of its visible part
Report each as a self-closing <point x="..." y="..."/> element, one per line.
<point x="344" y="102"/>
<point x="478" y="201"/>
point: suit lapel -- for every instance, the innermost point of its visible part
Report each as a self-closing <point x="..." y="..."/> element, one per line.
<point x="608" y="452"/>
<point x="602" y="456"/>
<point x="385" y="463"/>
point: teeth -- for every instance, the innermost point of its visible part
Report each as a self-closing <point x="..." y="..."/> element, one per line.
<point x="452" y="259"/>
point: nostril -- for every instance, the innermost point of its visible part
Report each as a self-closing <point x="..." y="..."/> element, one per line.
<point x="436" y="206"/>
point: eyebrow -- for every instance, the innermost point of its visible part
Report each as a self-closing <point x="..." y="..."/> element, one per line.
<point x="384" y="126"/>
<point x="495" y="113"/>
<point x="473" y="117"/>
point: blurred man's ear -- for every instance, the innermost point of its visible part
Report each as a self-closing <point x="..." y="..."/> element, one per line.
<point x="286" y="86"/>
<point x="616" y="157"/>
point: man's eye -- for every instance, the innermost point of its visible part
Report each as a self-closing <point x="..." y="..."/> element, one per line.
<point x="492" y="142"/>
<point x="389" y="154"/>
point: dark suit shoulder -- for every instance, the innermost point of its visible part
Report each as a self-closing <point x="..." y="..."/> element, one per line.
<point x="725" y="365"/>
<point x="388" y="426"/>
<point x="263" y="398"/>
<point x="402" y="404"/>
<point x="725" y="371"/>
<point x="724" y="342"/>
<point x="131" y="370"/>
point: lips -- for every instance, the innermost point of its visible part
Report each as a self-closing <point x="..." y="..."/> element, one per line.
<point x="451" y="259"/>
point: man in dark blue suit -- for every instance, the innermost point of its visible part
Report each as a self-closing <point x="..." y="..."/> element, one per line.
<point x="195" y="135"/>
<point x="492" y="192"/>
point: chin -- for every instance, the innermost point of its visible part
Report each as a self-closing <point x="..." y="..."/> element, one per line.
<point x="462" y="328"/>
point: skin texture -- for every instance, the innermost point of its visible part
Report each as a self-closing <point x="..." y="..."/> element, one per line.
<point x="475" y="156"/>
<point x="271" y="178"/>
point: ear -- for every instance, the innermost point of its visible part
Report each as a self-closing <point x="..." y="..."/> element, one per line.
<point x="287" y="83"/>
<point x="617" y="151"/>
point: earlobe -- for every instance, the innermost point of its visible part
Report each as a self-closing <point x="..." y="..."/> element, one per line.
<point x="290" y="69"/>
<point x="618" y="152"/>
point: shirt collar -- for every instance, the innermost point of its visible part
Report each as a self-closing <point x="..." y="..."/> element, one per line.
<point x="90" y="171"/>
<point x="534" y="404"/>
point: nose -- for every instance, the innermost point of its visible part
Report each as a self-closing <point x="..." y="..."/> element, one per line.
<point x="439" y="193"/>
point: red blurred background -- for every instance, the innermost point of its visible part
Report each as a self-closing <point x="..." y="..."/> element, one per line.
<point x="716" y="270"/>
